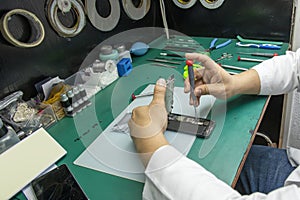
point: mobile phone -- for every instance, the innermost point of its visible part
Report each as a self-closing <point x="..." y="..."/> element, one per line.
<point x="58" y="184"/>
<point x="186" y="124"/>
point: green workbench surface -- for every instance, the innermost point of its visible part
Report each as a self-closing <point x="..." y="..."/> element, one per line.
<point x="221" y="154"/>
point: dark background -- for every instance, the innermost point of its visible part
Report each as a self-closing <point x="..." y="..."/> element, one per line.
<point x="21" y="68"/>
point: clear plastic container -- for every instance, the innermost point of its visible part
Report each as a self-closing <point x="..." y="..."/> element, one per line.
<point x="8" y="137"/>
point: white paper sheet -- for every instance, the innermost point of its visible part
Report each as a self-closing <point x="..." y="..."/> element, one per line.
<point x="114" y="152"/>
<point x="27" y="159"/>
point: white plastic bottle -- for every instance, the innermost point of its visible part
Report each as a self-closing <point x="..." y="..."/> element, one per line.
<point x="8" y="137"/>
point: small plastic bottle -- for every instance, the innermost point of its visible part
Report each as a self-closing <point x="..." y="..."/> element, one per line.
<point x="123" y="53"/>
<point x="8" y="137"/>
<point x="64" y="100"/>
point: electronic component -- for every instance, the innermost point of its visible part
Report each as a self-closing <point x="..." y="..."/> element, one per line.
<point x="58" y="183"/>
<point x="185" y="124"/>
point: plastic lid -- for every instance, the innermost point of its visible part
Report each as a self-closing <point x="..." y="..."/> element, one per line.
<point x="106" y="49"/>
<point x="3" y="129"/>
<point x="121" y="48"/>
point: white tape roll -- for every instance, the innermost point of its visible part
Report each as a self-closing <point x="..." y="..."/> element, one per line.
<point x="211" y="4"/>
<point x="64" y="5"/>
<point x="52" y="11"/>
<point x="136" y="13"/>
<point x="34" y="22"/>
<point x="103" y="23"/>
<point x="184" y="4"/>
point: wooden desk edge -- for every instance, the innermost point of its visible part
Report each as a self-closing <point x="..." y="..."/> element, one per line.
<point x="250" y="144"/>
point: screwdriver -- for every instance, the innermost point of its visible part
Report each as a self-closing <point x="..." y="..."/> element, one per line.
<point x="190" y="63"/>
<point x="249" y="59"/>
<point x="133" y="96"/>
<point x="268" y="55"/>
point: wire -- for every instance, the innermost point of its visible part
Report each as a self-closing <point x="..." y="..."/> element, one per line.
<point x="269" y="141"/>
<point x="164" y="18"/>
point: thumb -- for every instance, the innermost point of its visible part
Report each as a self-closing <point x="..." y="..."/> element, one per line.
<point x="159" y="92"/>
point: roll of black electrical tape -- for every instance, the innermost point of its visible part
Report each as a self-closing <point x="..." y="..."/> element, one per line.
<point x="34" y="22"/>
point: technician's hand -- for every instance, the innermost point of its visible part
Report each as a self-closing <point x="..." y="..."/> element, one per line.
<point x="211" y="79"/>
<point x="148" y="123"/>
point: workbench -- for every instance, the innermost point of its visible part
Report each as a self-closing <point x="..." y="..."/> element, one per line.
<point x="237" y="120"/>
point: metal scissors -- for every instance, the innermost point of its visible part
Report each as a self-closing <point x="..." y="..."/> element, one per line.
<point x="213" y="45"/>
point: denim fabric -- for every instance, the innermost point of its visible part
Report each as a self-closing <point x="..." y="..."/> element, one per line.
<point x="266" y="168"/>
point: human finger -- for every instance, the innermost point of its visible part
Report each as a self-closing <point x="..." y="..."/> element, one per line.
<point x="204" y="59"/>
<point x="139" y="116"/>
<point x="187" y="85"/>
<point x="159" y="92"/>
<point x="201" y="90"/>
<point x="217" y="90"/>
<point x="194" y="102"/>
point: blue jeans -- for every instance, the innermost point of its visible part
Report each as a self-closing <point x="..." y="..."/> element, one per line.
<point x="266" y="168"/>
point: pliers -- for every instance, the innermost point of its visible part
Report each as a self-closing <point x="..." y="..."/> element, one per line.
<point x="213" y="45"/>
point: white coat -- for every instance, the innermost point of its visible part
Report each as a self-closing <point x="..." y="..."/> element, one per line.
<point x="171" y="175"/>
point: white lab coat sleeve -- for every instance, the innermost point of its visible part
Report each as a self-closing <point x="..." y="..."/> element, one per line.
<point x="171" y="175"/>
<point x="280" y="74"/>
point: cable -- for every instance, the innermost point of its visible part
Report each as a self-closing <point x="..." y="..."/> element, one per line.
<point x="268" y="140"/>
<point x="34" y="22"/>
<point x="136" y="13"/>
<point x="164" y="18"/>
<point x="66" y="6"/>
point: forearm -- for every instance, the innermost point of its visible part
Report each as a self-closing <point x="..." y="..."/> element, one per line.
<point x="247" y="82"/>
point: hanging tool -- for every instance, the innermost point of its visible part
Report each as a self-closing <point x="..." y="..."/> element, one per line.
<point x="213" y="45"/>
<point x="163" y="65"/>
<point x="169" y="58"/>
<point x="258" y="41"/>
<point x="234" y="67"/>
<point x="260" y="46"/>
<point x="164" y="61"/>
<point x="170" y="54"/>
<point x="224" y="56"/>
<point x="268" y="55"/>
<point x="249" y="59"/>
<point x="190" y="63"/>
<point x="180" y="49"/>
